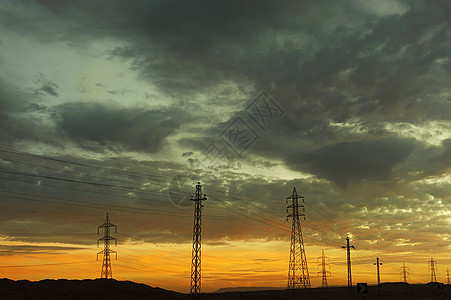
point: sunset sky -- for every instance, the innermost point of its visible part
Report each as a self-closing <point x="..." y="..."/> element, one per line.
<point x="123" y="106"/>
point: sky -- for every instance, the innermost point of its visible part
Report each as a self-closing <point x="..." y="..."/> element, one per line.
<point x="123" y="106"/>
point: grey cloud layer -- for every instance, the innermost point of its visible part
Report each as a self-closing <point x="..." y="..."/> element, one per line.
<point x="344" y="162"/>
<point x="371" y="69"/>
<point x="132" y="129"/>
<point x="323" y="62"/>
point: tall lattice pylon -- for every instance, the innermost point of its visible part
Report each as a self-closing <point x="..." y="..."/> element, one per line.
<point x="298" y="274"/>
<point x="433" y="269"/>
<point x="404" y="273"/>
<point x="106" y="265"/>
<point x="323" y="265"/>
<point x="447" y="276"/>
<point x="197" y="230"/>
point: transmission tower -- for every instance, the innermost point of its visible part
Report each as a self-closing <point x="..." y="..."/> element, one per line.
<point x="298" y="275"/>
<point x="404" y="273"/>
<point x="196" y="252"/>
<point x="348" y="252"/>
<point x="106" y="265"/>
<point x="377" y="263"/>
<point x="433" y="269"/>
<point x="447" y="276"/>
<point x="323" y="264"/>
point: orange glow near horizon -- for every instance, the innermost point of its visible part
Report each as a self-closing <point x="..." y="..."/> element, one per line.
<point x="256" y="263"/>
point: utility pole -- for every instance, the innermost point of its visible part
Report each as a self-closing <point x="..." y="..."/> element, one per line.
<point x="324" y="273"/>
<point x="447" y="276"/>
<point x="196" y="252"/>
<point x="298" y="275"/>
<point x="433" y="269"/>
<point x="348" y="252"/>
<point x="106" y="265"/>
<point x="377" y="263"/>
<point x="404" y="272"/>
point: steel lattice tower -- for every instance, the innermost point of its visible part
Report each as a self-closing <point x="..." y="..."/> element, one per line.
<point x="298" y="275"/>
<point x="196" y="252"/>
<point x="447" y="276"/>
<point x="348" y="252"/>
<point x="106" y="265"/>
<point x="377" y="263"/>
<point x="324" y="273"/>
<point x="404" y="272"/>
<point x="433" y="269"/>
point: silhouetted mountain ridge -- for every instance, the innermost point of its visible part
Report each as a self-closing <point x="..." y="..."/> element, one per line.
<point x="61" y="289"/>
<point x="102" y="289"/>
<point x="247" y="289"/>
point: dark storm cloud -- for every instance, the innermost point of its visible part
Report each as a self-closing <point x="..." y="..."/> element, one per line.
<point x="352" y="66"/>
<point x="193" y="25"/>
<point x="323" y="62"/>
<point x="6" y="104"/>
<point x="370" y="73"/>
<point x="134" y="129"/>
<point x="46" y="86"/>
<point x="22" y="116"/>
<point x="12" y="102"/>
<point x="348" y="65"/>
<point x="180" y="44"/>
<point x="363" y="160"/>
<point x="437" y="161"/>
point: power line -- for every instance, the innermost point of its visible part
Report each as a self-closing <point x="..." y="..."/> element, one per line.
<point x="127" y="189"/>
<point x="80" y="190"/>
<point x="247" y="213"/>
<point x="258" y="219"/>
<point x="259" y="216"/>
<point x="97" y="167"/>
<point x="3" y="170"/>
<point x="131" y="189"/>
<point x="59" y="170"/>
<point x="243" y="201"/>
<point x="76" y="181"/>
<point x="49" y="143"/>
<point x="328" y="232"/>
<point x="88" y="204"/>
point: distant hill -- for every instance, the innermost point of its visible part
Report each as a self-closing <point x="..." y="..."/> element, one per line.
<point x="62" y="289"/>
<point x="248" y="289"/>
<point x="103" y="289"/>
